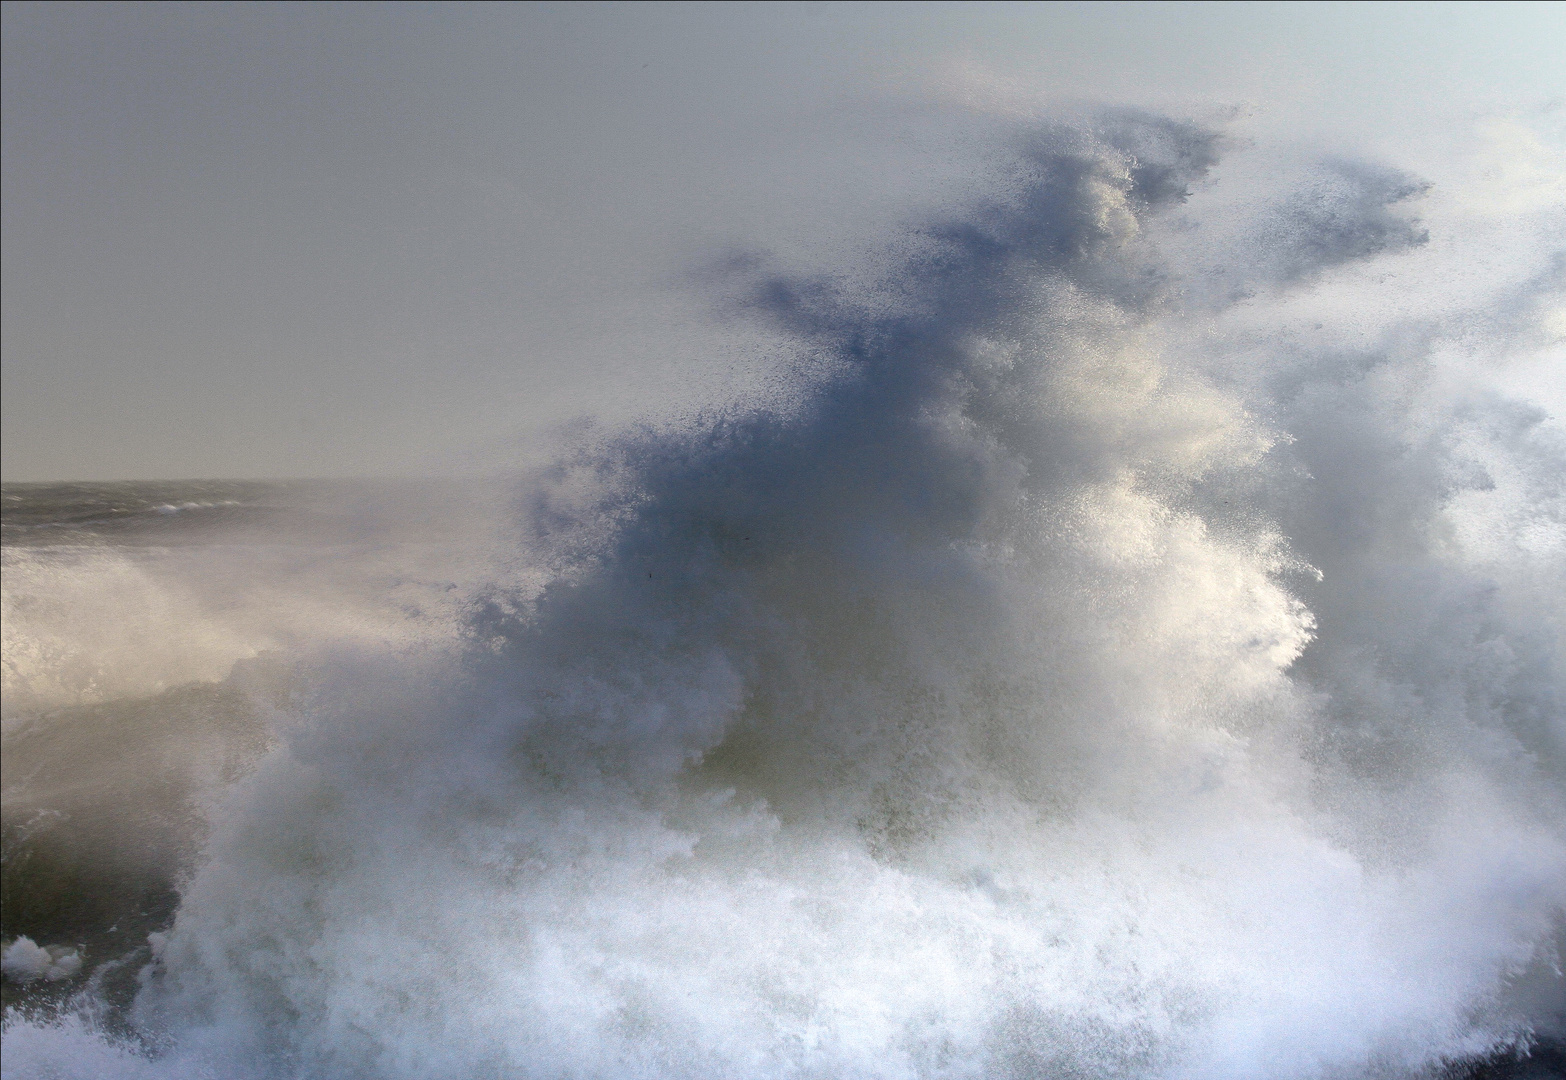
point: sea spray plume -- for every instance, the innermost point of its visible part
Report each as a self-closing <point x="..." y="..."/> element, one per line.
<point x="934" y="441"/>
<point x="1339" y="213"/>
<point x="1349" y="211"/>
<point x="1432" y="504"/>
<point x="1434" y="509"/>
<point x="925" y="728"/>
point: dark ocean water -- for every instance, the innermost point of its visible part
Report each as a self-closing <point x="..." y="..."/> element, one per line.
<point x="99" y="821"/>
<point x="140" y="619"/>
<point x="175" y="512"/>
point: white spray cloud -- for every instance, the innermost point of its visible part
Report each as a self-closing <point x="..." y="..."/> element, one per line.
<point x="1085" y="672"/>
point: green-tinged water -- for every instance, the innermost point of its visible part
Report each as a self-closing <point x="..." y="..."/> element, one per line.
<point x="142" y="628"/>
<point x="133" y="512"/>
<point x="103" y="815"/>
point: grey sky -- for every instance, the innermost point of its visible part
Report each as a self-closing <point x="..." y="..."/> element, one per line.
<point x="278" y="240"/>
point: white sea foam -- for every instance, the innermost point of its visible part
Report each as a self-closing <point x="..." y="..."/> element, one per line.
<point x="1133" y="652"/>
<point x="89" y="621"/>
<point x="24" y="960"/>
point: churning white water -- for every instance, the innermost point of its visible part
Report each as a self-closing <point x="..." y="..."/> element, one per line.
<point x="1127" y="645"/>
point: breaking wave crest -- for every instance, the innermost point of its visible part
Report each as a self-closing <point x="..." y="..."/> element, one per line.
<point x="1096" y="663"/>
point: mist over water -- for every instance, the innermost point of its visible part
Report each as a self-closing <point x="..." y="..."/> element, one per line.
<point x="1125" y="642"/>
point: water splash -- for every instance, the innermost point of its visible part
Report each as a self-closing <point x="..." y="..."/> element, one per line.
<point x="1078" y="674"/>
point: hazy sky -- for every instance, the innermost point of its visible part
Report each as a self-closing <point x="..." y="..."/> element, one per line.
<point x="331" y="240"/>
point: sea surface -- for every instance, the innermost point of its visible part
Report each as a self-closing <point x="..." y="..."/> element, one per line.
<point x="141" y="622"/>
<point x="1129" y="645"/>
